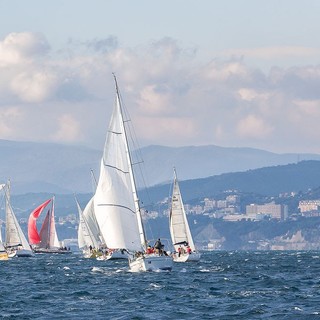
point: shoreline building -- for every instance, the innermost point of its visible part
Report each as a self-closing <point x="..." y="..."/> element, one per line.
<point x="275" y="211"/>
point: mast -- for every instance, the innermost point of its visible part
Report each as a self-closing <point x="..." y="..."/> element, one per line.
<point x="133" y="183"/>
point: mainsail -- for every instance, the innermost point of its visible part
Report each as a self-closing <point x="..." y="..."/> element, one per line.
<point x="179" y="227"/>
<point x="14" y="234"/>
<point x="115" y="200"/>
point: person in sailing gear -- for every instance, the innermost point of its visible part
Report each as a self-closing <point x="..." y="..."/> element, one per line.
<point x="158" y="246"/>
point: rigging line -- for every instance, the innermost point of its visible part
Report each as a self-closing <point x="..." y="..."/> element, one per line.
<point x="115" y="205"/>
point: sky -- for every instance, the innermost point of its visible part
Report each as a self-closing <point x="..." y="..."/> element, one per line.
<point x="227" y="73"/>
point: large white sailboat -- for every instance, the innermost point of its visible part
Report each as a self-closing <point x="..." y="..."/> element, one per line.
<point x="116" y="203"/>
<point x="184" y="247"/>
<point x="16" y="242"/>
<point x="45" y="241"/>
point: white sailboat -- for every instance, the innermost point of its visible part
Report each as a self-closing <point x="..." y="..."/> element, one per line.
<point x="116" y="203"/>
<point x="45" y="241"/>
<point x="88" y="242"/>
<point x="3" y="251"/>
<point x="184" y="247"/>
<point x="16" y="243"/>
<point x="90" y="239"/>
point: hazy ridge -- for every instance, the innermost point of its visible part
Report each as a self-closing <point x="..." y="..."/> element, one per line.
<point x="55" y="168"/>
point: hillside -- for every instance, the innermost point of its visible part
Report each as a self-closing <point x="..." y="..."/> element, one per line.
<point x="256" y="184"/>
<point x="269" y="181"/>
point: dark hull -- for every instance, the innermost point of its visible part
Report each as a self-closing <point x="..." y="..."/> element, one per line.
<point x="56" y="251"/>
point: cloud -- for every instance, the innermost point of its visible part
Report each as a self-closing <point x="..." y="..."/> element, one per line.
<point x="24" y="47"/>
<point x="68" y="129"/>
<point x="253" y="127"/>
<point x="270" y="53"/>
<point x="33" y="86"/>
<point x="9" y="117"/>
<point x="173" y="99"/>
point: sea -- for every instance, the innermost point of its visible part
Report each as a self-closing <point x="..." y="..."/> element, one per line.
<point x="223" y="285"/>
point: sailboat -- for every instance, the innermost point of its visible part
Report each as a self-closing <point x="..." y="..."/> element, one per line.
<point x="3" y="251"/>
<point x="184" y="247"/>
<point x="16" y="243"/>
<point x="88" y="240"/>
<point x="45" y="241"/>
<point x="116" y="202"/>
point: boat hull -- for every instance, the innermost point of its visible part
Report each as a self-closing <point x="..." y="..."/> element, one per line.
<point x="193" y="257"/>
<point x="56" y="251"/>
<point x="114" y="255"/>
<point x="24" y="253"/>
<point x="151" y="263"/>
<point x="12" y="253"/>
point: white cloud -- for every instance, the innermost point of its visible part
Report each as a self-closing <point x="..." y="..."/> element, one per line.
<point x="17" y="48"/>
<point x="68" y="129"/>
<point x="172" y="99"/>
<point x="153" y="101"/>
<point x="33" y="86"/>
<point x="270" y="53"/>
<point x="253" y="127"/>
<point x="9" y="119"/>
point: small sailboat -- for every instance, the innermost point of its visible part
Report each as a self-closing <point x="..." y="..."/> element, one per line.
<point x="16" y="242"/>
<point x="116" y="203"/>
<point x="88" y="240"/>
<point x="45" y="241"/>
<point x="184" y="247"/>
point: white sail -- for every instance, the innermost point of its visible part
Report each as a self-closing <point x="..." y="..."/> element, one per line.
<point x="179" y="226"/>
<point x="14" y="233"/>
<point x="86" y="238"/>
<point x="2" y="249"/>
<point x="54" y="241"/>
<point x="114" y="202"/>
<point x="48" y="234"/>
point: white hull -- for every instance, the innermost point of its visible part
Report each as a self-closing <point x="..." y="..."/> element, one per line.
<point x="12" y="254"/>
<point x="116" y="254"/>
<point x="193" y="257"/>
<point x="151" y="263"/>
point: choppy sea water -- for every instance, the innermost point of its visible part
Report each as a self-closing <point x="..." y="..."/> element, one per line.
<point x="223" y="285"/>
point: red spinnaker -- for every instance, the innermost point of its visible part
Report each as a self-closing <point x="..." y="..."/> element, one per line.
<point x="33" y="234"/>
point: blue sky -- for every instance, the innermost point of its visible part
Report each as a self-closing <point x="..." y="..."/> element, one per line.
<point x="230" y="73"/>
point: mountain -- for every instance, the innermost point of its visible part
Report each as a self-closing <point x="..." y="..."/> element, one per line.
<point x="194" y="162"/>
<point x="47" y="167"/>
<point x="268" y="181"/>
<point x="57" y="168"/>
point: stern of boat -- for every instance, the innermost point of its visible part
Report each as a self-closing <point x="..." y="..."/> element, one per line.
<point x="151" y="262"/>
